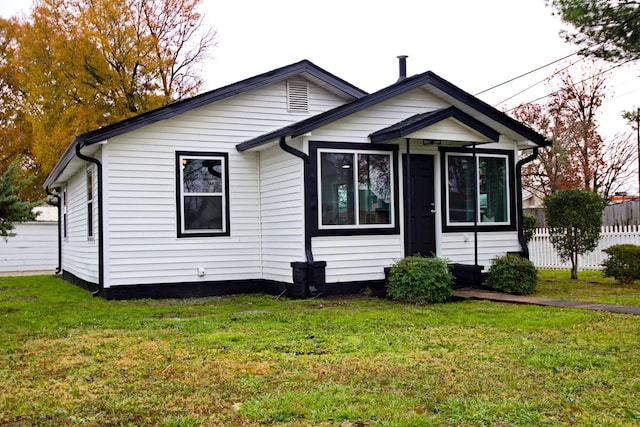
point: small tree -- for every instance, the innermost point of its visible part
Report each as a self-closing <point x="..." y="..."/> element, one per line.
<point x="529" y="224"/>
<point x="12" y="208"/>
<point x="574" y="218"/>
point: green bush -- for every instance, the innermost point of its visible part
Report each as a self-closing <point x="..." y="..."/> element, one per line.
<point x="623" y="263"/>
<point x="512" y="274"/>
<point x="529" y="224"/>
<point x="420" y="280"/>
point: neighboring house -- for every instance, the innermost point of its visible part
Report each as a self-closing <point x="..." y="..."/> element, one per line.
<point x="291" y="180"/>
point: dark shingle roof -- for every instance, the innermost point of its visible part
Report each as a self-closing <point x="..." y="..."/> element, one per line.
<point x="438" y="84"/>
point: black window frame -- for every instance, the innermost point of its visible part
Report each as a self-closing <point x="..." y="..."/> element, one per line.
<point x="511" y="193"/>
<point x="65" y="216"/>
<point x="90" y="186"/>
<point x="226" y="221"/>
<point x="312" y="184"/>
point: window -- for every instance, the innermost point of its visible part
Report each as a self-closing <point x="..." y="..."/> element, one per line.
<point x="202" y="194"/>
<point x="90" y="202"/>
<point x="355" y="189"/>
<point x="64" y="213"/>
<point x="490" y="197"/>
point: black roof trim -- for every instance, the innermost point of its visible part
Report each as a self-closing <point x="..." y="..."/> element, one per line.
<point x="421" y="121"/>
<point x="185" y="105"/>
<point x="182" y="106"/>
<point x="427" y="78"/>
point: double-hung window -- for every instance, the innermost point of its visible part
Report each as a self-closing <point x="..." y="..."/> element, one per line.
<point x="477" y="189"/>
<point x="202" y="194"/>
<point x="355" y="189"/>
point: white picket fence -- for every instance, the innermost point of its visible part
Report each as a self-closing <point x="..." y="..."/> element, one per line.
<point x="543" y="255"/>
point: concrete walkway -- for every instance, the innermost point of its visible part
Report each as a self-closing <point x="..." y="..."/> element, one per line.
<point x="471" y="293"/>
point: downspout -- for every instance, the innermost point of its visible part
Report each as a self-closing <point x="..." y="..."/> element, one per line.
<point x="475" y="205"/>
<point x="96" y="162"/>
<point x="58" y="198"/>
<point x="307" y="237"/>
<point x="519" y="213"/>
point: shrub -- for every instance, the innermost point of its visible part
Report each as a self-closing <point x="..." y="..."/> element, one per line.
<point x="512" y="274"/>
<point x="623" y="263"/>
<point x="529" y="224"/>
<point x="420" y="280"/>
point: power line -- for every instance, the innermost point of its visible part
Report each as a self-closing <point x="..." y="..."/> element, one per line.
<point x="581" y="81"/>
<point x="541" y="81"/>
<point x="527" y="73"/>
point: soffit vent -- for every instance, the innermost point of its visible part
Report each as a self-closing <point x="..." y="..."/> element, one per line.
<point x="297" y="96"/>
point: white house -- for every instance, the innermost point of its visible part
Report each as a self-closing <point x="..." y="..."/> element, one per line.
<point x="290" y="180"/>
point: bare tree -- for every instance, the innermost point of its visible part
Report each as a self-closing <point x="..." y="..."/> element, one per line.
<point x="579" y="157"/>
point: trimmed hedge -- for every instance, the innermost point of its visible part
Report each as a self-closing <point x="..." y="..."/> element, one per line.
<point x="420" y="280"/>
<point x="512" y="274"/>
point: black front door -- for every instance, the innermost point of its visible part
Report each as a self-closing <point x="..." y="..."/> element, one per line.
<point x="419" y="205"/>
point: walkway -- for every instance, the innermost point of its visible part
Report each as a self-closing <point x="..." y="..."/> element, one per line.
<point x="471" y="293"/>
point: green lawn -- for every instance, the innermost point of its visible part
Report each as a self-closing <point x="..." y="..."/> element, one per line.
<point x="67" y="358"/>
<point x="591" y="286"/>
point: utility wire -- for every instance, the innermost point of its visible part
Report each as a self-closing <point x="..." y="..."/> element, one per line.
<point x="541" y="81"/>
<point x="581" y="81"/>
<point x="527" y="73"/>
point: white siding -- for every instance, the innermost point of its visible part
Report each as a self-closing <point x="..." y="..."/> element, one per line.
<point x="282" y="201"/>
<point x="357" y="258"/>
<point x="33" y="249"/>
<point x="79" y="252"/>
<point x="142" y="213"/>
<point x="459" y="247"/>
<point x="364" y="258"/>
<point x="358" y="126"/>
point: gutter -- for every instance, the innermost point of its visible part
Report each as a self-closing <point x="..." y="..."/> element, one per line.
<point x="307" y="237"/>
<point x="58" y="198"/>
<point x="519" y="165"/>
<point x="79" y="145"/>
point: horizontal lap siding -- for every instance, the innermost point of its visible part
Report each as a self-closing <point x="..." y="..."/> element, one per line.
<point x="357" y="258"/>
<point x="142" y="212"/>
<point x="34" y="248"/>
<point x="80" y="254"/>
<point x="490" y="245"/>
<point x="142" y="219"/>
<point x="357" y="127"/>
<point x="282" y="203"/>
<point x="362" y="258"/>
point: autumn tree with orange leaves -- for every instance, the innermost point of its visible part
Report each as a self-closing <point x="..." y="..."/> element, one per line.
<point x="76" y="65"/>
<point x="579" y="157"/>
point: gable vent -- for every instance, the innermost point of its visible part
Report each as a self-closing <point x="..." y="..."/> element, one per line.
<point x="297" y="96"/>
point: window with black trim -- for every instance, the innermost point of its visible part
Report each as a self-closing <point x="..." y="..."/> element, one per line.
<point x="355" y="189"/>
<point x="202" y="194"/>
<point x="90" y="202"/>
<point x="65" y="217"/>
<point x="480" y="188"/>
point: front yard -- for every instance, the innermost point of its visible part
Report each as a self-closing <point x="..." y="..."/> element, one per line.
<point x="69" y="359"/>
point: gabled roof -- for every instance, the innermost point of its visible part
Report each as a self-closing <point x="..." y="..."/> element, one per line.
<point x="421" y="121"/>
<point x="304" y="68"/>
<point x="442" y="88"/>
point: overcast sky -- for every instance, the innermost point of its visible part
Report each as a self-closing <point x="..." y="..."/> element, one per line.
<point x="473" y="44"/>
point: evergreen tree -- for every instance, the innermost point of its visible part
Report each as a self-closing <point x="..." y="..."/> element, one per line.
<point x="12" y="208"/>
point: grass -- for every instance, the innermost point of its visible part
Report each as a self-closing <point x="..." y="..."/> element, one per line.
<point x="591" y="286"/>
<point x="69" y="359"/>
